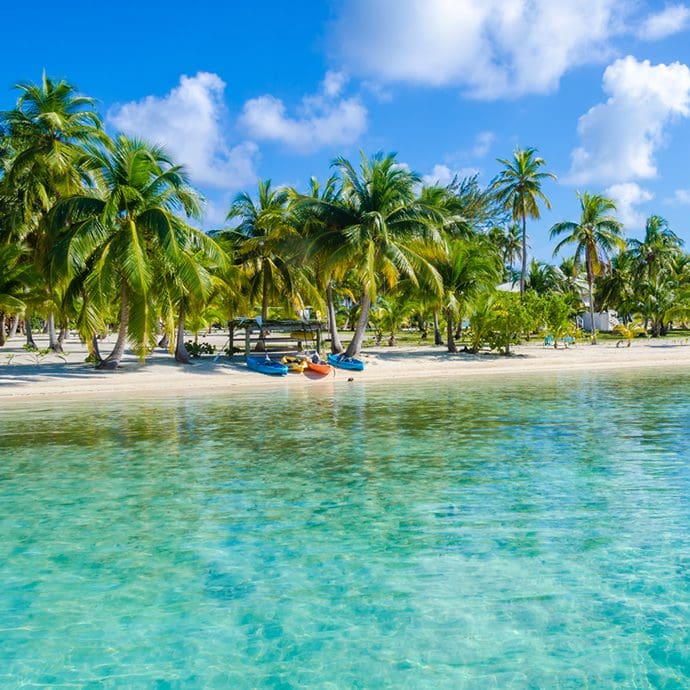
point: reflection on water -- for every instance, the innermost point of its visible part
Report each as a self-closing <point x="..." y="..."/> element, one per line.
<point x="514" y="534"/>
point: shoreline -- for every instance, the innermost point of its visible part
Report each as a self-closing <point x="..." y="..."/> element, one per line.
<point x="24" y="380"/>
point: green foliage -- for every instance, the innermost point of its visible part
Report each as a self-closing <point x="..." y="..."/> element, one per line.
<point x="497" y="321"/>
<point x="197" y="349"/>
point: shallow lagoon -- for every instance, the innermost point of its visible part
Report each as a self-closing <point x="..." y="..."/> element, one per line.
<point x="514" y="534"/>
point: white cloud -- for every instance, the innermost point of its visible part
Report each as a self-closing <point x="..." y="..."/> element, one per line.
<point x="333" y="83"/>
<point x="629" y="195"/>
<point x="619" y="138"/>
<point x="492" y="49"/>
<point x="482" y="144"/>
<point x="323" y="119"/>
<point x="681" y="197"/>
<point x="443" y="175"/>
<point x="188" y="121"/>
<point x="671" y="20"/>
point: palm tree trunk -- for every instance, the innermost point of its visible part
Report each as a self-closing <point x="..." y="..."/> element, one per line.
<point x="62" y="335"/>
<point x="523" y="273"/>
<point x="181" y="354"/>
<point x="112" y="361"/>
<point x="96" y="350"/>
<point x="53" y="342"/>
<point x="449" y="331"/>
<point x="164" y="342"/>
<point x="14" y="324"/>
<point x="355" y="345"/>
<point x="438" y="340"/>
<point x="27" y="328"/>
<point x="3" y="319"/>
<point x="336" y="345"/>
<point x="590" y="281"/>
<point x="261" y="344"/>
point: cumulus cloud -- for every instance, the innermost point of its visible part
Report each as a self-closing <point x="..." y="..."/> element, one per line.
<point x="188" y="121"/>
<point x="492" y="49"/>
<point x="628" y="196"/>
<point x="443" y="175"/>
<point x="671" y="20"/>
<point x="322" y="119"/>
<point x="681" y="197"/>
<point x="619" y="138"/>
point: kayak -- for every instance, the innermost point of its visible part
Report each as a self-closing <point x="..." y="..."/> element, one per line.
<point x="319" y="367"/>
<point x="266" y="366"/>
<point x="294" y="364"/>
<point x="343" y="362"/>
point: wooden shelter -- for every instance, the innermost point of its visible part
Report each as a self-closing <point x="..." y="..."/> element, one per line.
<point x="275" y="331"/>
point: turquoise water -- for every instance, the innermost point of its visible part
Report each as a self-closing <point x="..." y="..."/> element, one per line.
<point x="521" y="534"/>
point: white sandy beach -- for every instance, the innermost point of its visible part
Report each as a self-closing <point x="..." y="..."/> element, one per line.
<point x="24" y="376"/>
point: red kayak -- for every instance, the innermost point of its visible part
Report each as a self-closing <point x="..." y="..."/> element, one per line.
<point x="319" y="367"/>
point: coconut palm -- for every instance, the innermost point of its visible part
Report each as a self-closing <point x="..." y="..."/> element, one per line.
<point x="323" y="234"/>
<point x="468" y="269"/>
<point x="518" y="189"/>
<point x="126" y="231"/>
<point x="387" y="232"/>
<point x="46" y="131"/>
<point x="658" y="250"/>
<point x="15" y="275"/>
<point x="596" y="236"/>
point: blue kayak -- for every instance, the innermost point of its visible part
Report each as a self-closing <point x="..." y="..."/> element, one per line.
<point x="266" y="366"/>
<point x="343" y="362"/>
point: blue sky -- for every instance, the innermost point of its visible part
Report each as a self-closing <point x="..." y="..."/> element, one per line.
<point x="238" y="91"/>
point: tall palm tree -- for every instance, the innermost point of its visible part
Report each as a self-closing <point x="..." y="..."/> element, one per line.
<point x="518" y="189"/>
<point x="46" y="130"/>
<point x="386" y="231"/>
<point x="127" y="232"/>
<point x="596" y="236"/>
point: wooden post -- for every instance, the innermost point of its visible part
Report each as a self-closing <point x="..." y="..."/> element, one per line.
<point x="231" y="338"/>
<point x="247" y="340"/>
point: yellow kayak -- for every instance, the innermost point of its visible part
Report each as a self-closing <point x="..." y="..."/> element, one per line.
<point x="294" y="364"/>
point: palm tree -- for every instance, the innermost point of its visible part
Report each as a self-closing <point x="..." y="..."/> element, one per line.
<point x="15" y="275"/>
<point x="387" y="233"/>
<point x="467" y="270"/>
<point x="323" y="233"/>
<point x="595" y="236"/>
<point x="268" y="245"/>
<point x="128" y="235"/>
<point x="544" y="278"/>
<point x="658" y="251"/>
<point x="47" y="130"/>
<point x="518" y="189"/>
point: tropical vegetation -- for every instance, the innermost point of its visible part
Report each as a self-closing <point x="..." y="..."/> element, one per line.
<point x="101" y="234"/>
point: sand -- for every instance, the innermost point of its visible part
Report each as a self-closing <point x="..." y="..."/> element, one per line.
<point x="25" y="376"/>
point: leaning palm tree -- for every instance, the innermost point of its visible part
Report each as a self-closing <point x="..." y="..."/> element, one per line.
<point x="518" y="189"/>
<point x="596" y="236"/>
<point x="127" y="231"/>
<point x="386" y="232"/>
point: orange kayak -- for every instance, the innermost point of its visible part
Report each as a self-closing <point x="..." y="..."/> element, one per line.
<point x="319" y="367"/>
